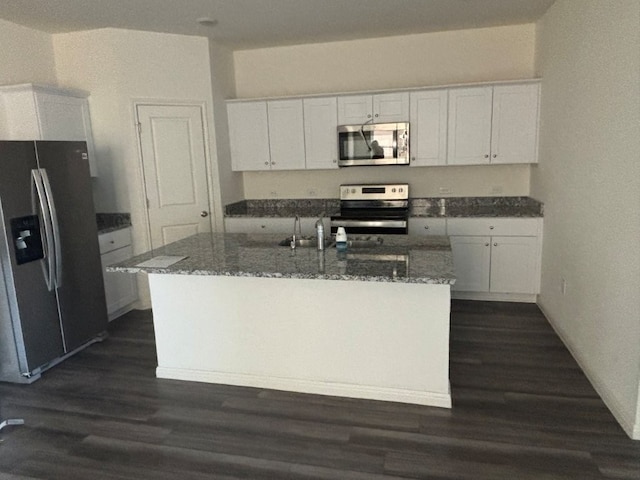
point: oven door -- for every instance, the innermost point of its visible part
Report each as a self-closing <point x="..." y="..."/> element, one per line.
<point x="379" y="144"/>
<point x="397" y="226"/>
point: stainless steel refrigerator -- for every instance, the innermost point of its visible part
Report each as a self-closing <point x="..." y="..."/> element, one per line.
<point x="52" y="301"/>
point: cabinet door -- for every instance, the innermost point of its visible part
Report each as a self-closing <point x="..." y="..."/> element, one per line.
<point x="471" y="261"/>
<point x="514" y="137"/>
<point x="286" y="134"/>
<point x="249" y="136"/>
<point x="320" y="132"/>
<point x="355" y="109"/>
<point x="66" y="118"/>
<point x="120" y="288"/>
<point x="469" y="135"/>
<point x="514" y="265"/>
<point x="391" y="107"/>
<point x="428" y="128"/>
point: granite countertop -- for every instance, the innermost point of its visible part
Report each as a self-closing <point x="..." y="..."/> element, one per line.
<point x="450" y="207"/>
<point x="109" y="222"/>
<point x="400" y="258"/>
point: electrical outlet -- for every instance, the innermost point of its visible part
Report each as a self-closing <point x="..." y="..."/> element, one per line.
<point x="444" y="189"/>
<point x="563" y="286"/>
<point x="312" y="193"/>
<point x="497" y="190"/>
<point x="273" y="194"/>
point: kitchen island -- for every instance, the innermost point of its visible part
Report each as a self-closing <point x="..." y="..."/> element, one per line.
<point x="372" y="322"/>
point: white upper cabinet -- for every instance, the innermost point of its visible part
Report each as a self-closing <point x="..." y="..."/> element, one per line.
<point x="286" y="134"/>
<point x="470" y="125"/>
<point x="249" y="136"/>
<point x="320" y="127"/>
<point x="493" y="124"/>
<point x="514" y="136"/>
<point x="428" y="128"/>
<point x="36" y="112"/>
<point x="381" y="108"/>
<point x="266" y="135"/>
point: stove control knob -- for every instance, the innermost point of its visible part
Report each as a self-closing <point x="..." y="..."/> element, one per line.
<point x="353" y="190"/>
<point x="393" y="190"/>
<point x="401" y="190"/>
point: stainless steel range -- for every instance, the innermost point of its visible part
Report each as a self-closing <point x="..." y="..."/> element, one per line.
<point x="373" y="209"/>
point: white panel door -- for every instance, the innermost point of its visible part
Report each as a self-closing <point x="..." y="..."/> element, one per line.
<point x="355" y="110"/>
<point x="471" y="261"/>
<point x="249" y="136"/>
<point x="320" y="132"/>
<point x="391" y="107"/>
<point x="286" y="134"/>
<point x="514" y="137"/>
<point x="514" y="264"/>
<point x="428" y="128"/>
<point x="174" y="163"/>
<point x="469" y="136"/>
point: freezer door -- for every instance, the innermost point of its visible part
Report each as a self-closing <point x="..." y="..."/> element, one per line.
<point x="33" y="307"/>
<point x="79" y="280"/>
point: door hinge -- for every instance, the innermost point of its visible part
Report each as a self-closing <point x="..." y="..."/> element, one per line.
<point x="139" y="127"/>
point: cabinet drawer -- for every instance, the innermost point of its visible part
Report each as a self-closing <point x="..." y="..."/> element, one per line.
<point x="113" y="240"/>
<point x="427" y="226"/>
<point x="493" y="226"/>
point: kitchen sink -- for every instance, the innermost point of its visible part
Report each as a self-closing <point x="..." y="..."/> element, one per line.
<point x="303" y="242"/>
<point x="312" y="242"/>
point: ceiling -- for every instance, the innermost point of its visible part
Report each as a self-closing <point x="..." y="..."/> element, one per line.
<point x="244" y="24"/>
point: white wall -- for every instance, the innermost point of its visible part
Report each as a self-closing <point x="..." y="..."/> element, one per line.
<point x="26" y="55"/>
<point x="118" y="67"/>
<point x="223" y="87"/>
<point x="464" y="56"/>
<point x="589" y="179"/>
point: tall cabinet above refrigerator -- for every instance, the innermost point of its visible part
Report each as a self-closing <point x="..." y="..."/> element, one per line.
<point x="52" y="300"/>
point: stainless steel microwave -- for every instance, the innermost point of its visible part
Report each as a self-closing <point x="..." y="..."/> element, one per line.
<point x="373" y="144"/>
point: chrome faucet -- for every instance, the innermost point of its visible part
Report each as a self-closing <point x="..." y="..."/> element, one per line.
<point x="320" y="233"/>
<point x="296" y="221"/>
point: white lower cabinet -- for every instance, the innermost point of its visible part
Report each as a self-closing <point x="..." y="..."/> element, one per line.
<point x="497" y="256"/>
<point x="120" y="288"/>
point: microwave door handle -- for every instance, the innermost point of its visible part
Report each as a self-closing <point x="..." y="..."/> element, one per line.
<point x="56" y="228"/>
<point x="39" y="204"/>
<point x="364" y="137"/>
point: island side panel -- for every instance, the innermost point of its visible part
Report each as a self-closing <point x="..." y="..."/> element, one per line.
<point x="377" y="340"/>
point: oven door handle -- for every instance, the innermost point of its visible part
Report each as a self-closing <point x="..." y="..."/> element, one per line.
<point x="369" y="223"/>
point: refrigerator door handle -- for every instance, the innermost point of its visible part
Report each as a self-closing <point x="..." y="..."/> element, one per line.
<point x="39" y="203"/>
<point x="56" y="228"/>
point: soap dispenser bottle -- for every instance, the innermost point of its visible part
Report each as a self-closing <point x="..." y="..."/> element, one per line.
<point x="341" y="239"/>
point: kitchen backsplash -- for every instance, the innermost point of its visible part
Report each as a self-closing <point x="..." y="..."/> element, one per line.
<point x="419" y="207"/>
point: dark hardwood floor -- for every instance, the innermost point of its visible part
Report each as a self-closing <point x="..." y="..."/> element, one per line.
<point x="522" y="410"/>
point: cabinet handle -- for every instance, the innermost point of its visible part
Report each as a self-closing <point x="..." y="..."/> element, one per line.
<point x="266" y="163"/>
<point x="335" y="161"/>
<point x="273" y="163"/>
<point x="486" y="244"/>
<point x="426" y="227"/>
<point x="495" y="244"/>
<point x="376" y="115"/>
<point x="495" y="155"/>
<point x="263" y="226"/>
<point x="486" y="156"/>
<point x="491" y="227"/>
<point x="204" y="214"/>
<point x="369" y="116"/>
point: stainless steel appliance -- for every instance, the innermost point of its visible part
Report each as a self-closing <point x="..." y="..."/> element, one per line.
<point x="373" y="209"/>
<point x="373" y="144"/>
<point x="52" y="299"/>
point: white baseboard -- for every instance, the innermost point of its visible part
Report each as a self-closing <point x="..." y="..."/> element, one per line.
<point x="307" y="386"/>
<point x="630" y="425"/>
<point x="495" y="297"/>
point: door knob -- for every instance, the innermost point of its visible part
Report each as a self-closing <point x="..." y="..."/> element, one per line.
<point x="204" y="213"/>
